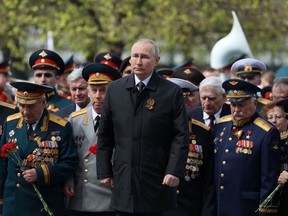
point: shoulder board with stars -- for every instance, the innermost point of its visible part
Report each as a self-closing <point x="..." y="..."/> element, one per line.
<point x="263" y="101"/>
<point x="79" y="112"/>
<point x="200" y="124"/>
<point x="14" y="116"/>
<point x="7" y="105"/>
<point x="262" y="124"/>
<point x="224" y="119"/>
<point x="57" y="120"/>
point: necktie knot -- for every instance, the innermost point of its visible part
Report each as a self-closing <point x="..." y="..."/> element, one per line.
<point x="30" y="129"/>
<point x="141" y="86"/>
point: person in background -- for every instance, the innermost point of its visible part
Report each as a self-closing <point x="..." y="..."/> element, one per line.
<point x="47" y="66"/>
<point x="277" y="114"/>
<point x="125" y="67"/>
<point x="144" y="125"/>
<point x="267" y="78"/>
<point x="246" y="159"/>
<point x="280" y="89"/>
<point x="213" y="98"/>
<point x="108" y="58"/>
<point x="79" y="93"/>
<point x="209" y="71"/>
<point x="46" y="147"/>
<point x="86" y="195"/>
<point x="62" y="86"/>
<point x="196" y="192"/>
<point x="5" y="93"/>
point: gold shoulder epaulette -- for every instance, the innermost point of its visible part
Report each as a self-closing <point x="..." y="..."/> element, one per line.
<point x="224" y="119"/>
<point x="284" y="135"/>
<point x="262" y="124"/>
<point x="14" y="116"/>
<point x="79" y="112"/>
<point x="57" y="119"/>
<point x="7" y="105"/>
<point x="263" y="101"/>
<point x="200" y="124"/>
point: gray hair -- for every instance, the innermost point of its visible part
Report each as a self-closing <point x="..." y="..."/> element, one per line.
<point x="74" y="75"/>
<point x="214" y="83"/>
<point x="146" y="40"/>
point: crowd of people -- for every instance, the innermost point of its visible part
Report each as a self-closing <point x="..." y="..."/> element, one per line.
<point x="127" y="138"/>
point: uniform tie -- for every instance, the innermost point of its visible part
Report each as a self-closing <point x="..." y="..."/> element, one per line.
<point x="30" y="130"/>
<point x="141" y="86"/>
<point x="211" y="123"/>
<point x="97" y="119"/>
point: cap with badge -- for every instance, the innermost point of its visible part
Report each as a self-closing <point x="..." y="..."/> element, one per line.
<point x="191" y="74"/>
<point x="125" y="63"/>
<point x="248" y="67"/>
<point x="5" y="67"/>
<point x="239" y="90"/>
<point x="69" y="64"/>
<point x="47" y="59"/>
<point x="165" y="72"/>
<point x="96" y="74"/>
<point x="108" y="58"/>
<point x="29" y="93"/>
<point x="187" y="64"/>
<point x="185" y="85"/>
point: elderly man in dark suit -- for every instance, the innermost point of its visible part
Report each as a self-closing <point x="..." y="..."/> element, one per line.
<point x="213" y="98"/>
<point x="144" y="121"/>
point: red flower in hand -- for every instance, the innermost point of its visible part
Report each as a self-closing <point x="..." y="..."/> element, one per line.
<point x="93" y="149"/>
<point x="8" y="148"/>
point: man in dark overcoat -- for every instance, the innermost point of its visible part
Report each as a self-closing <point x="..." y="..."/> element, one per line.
<point x="144" y="121"/>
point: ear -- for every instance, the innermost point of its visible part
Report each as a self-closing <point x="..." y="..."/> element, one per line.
<point x="157" y="60"/>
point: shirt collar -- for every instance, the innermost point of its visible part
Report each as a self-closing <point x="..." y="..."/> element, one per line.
<point x="145" y="81"/>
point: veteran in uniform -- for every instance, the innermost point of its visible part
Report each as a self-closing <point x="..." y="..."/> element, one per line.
<point x="250" y="70"/>
<point x="195" y="192"/>
<point x="87" y="196"/>
<point x="246" y="154"/>
<point x="47" y="66"/>
<point x="48" y="152"/>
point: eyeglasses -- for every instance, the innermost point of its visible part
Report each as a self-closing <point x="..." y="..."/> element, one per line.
<point x="277" y="117"/>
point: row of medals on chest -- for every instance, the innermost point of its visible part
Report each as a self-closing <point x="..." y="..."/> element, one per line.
<point x="194" y="159"/>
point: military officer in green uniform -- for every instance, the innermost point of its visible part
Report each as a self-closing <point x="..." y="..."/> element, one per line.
<point x="47" y="66"/>
<point x="48" y="152"/>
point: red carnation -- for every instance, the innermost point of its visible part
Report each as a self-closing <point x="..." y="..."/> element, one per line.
<point x="8" y="148"/>
<point x="93" y="149"/>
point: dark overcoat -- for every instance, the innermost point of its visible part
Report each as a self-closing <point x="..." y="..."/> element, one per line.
<point x="53" y="154"/>
<point x="247" y="166"/>
<point x="150" y="137"/>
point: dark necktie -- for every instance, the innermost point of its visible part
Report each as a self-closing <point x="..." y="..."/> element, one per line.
<point x="211" y="123"/>
<point x="97" y="119"/>
<point x="140" y="86"/>
<point x="30" y="130"/>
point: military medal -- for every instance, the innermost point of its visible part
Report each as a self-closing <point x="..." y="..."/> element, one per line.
<point x="11" y="133"/>
<point x="150" y="103"/>
<point x="248" y="134"/>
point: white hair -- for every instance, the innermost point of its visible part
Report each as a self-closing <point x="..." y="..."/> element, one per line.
<point x="213" y="83"/>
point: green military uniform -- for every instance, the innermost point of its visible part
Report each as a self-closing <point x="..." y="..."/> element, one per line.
<point x="50" y="149"/>
<point x="55" y="102"/>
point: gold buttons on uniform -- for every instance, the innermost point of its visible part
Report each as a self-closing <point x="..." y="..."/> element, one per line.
<point x="222" y="187"/>
<point x="222" y="175"/>
<point x="85" y="181"/>
<point x="177" y="192"/>
<point x="19" y="174"/>
<point x="86" y="160"/>
<point x="86" y="170"/>
<point x="230" y="139"/>
<point x="226" y="150"/>
<point x="18" y="185"/>
<point x="223" y="162"/>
